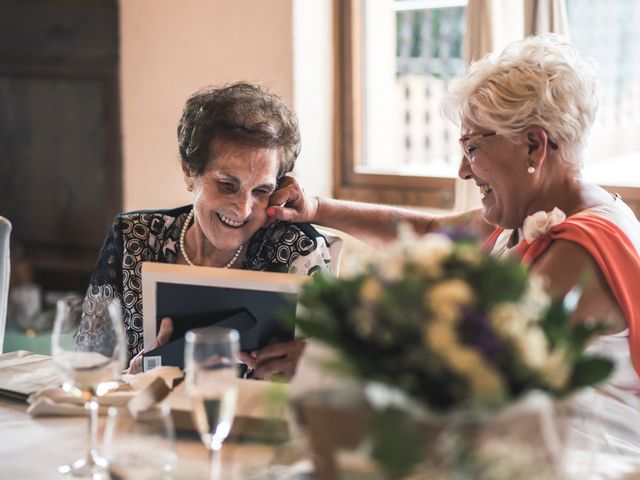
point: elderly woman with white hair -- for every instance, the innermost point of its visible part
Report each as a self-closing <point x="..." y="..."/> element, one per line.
<point x="525" y="116"/>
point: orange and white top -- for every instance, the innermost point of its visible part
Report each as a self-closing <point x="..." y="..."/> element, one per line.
<point x="611" y="235"/>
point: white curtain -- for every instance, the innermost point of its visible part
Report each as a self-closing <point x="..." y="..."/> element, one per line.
<point x="478" y="39"/>
<point x="542" y="16"/>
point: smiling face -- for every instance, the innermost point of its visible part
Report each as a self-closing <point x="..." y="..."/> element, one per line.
<point x="499" y="168"/>
<point x="232" y="194"/>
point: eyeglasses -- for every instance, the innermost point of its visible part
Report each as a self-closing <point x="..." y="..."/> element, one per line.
<point x="469" y="149"/>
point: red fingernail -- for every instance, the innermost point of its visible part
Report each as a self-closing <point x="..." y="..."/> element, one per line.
<point x="271" y="211"/>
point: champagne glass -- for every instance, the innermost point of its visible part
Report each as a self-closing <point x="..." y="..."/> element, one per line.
<point x="211" y="379"/>
<point x="88" y="348"/>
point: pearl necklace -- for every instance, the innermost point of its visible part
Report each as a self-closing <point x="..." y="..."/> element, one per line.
<point x="187" y="222"/>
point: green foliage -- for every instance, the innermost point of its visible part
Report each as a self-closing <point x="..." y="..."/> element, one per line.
<point x="589" y="371"/>
<point x="394" y="442"/>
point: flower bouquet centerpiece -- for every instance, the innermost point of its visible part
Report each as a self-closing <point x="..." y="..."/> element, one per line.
<point x="444" y="331"/>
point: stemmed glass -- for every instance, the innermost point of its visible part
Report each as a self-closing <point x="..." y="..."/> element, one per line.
<point x="90" y="363"/>
<point x="141" y="446"/>
<point x="211" y="355"/>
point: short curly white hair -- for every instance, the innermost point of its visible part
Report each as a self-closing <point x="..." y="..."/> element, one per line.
<point x="540" y="81"/>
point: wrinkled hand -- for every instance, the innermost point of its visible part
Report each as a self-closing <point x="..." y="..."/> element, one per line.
<point x="164" y="333"/>
<point x="290" y="202"/>
<point x="277" y="360"/>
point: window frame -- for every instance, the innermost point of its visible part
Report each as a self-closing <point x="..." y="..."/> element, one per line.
<point x="349" y="183"/>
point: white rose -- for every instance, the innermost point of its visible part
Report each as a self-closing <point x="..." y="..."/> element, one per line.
<point x="540" y="222"/>
<point x="535" y="300"/>
<point x="555" y="370"/>
<point x="358" y="261"/>
<point x="390" y="269"/>
<point x="533" y="348"/>
<point x="429" y="252"/>
<point x="509" y="320"/>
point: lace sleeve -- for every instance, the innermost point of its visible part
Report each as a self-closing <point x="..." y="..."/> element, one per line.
<point x="106" y="283"/>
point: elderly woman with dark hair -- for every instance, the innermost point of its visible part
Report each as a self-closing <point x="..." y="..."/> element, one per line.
<point x="235" y="143"/>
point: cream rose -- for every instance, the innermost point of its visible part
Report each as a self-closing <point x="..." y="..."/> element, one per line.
<point x="540" y="222"/>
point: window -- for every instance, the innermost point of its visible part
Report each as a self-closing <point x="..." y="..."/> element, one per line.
<point x="607" y="32"/>
<point x="395" y="60"/>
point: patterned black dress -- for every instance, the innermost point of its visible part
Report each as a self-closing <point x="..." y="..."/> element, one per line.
<point x="153" y="236"/>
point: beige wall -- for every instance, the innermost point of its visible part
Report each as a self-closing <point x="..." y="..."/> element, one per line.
<point x="170" y="48"/>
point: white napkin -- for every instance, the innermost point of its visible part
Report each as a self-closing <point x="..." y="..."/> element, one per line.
<point x="23" y="373"/>
<point x="138" y="392"/>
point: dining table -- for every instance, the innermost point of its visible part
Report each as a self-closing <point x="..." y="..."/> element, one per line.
<point x="33" y="446"/>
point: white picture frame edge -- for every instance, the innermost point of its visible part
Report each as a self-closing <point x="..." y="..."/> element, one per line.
<point x="154" y="273"/>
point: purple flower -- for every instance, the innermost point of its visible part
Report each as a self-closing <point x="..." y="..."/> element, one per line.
<point x="475" y="329"/>
<point x="458" y="234"/>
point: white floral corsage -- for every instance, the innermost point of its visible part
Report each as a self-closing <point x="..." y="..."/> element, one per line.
<point x="541" y="222"/>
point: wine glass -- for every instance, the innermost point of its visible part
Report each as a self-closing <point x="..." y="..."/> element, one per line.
<point x="141" y="446"/>
<point x="211" y="355"/>
<point x="87" y="345"/>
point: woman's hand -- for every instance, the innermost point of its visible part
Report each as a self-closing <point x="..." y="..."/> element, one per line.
<point x="291" y="204"/>
<point x="277" y="360"/>
<point x="164" y="333"/>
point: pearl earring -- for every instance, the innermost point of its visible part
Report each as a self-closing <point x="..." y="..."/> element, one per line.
<point x="189" y="188"/>
<point x="532" y="168"/>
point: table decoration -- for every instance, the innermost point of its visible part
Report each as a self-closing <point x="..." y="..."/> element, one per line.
<point x="443" y="340"/>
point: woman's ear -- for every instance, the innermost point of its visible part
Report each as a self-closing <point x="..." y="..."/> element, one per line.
<point x="537" y="144"/>
<point x="533" y="143"/>
<point x="188" y="178"/>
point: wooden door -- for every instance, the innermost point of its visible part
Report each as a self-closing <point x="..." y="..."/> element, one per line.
<point x="60" y="153"/>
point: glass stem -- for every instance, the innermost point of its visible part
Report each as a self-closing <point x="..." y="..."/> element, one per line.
<point x="216" y="463"/>
<point x="92" y="407"/>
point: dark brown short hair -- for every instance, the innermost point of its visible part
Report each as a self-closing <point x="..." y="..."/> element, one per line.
<point x="240" y="113"/>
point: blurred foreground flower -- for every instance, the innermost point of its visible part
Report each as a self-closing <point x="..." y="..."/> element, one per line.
<point x="447" y="329"/>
